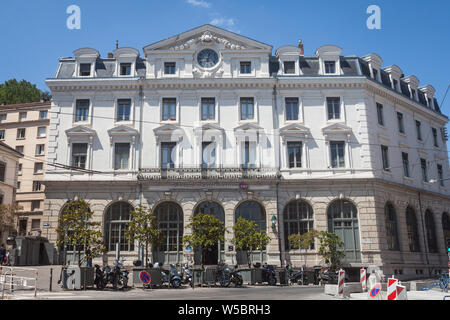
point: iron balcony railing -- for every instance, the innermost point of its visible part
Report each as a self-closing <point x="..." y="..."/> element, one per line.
<point x="207" y="173"/>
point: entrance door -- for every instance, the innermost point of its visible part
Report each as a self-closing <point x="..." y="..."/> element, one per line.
<point x="23" y="227"/>
<point x="211" y="255"/>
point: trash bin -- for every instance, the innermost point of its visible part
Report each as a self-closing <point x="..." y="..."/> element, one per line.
<point x="256" y="276"/>
<point x="283" y="278"/>
<point x="210" y="276"/>
<point x="75" y="277"/>
<point x="246" y="275"/>
<point x="198" y="276"/>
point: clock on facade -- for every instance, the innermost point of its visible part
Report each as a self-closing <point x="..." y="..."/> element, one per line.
<point x="207" y="58"/>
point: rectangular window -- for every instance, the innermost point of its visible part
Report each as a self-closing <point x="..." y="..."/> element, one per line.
<point x="246" y="67"/>
<point x="35" y="224"/>
<point x="2" y="117"/>
<point x="418" y="130"/>
<point x="435" y="137"/>
<point x="2" y="134"/>
<point x="401" y="127"/>
<point x="247" y="109"/>
<point x="294" y="154"/>
<point x="82" y="110"/>
<point x="385" y="158"/>
<point x="37" y="186"/>
<point x="169" y="67"/>
<point x="289" y="67"/>
<point x="18" y="185"/>
<point x="405" y="161"/>
<point x="249" y="154"/>
<point x="22" y="116"/>
<point x="337" y="154"/>
<point x="334" y="108"/>
<point x="40" y="149"/>
<point x="123" y="109"/>
<point x="2" y="171"/>
<point x="38" y="167"/>
<point x="169" y="109"/>
<point x="35" y="205"/>
<point x="440" y="175"/>
<point x="423" y="166"/>
<point x="375" y="72"/>
<point x="208" y="155"/>
<point x="330" y="67"/>
<point x="19" y="169"/>
<point x="380" y="114"/>
<point x="20" y="149"/>
<point x="167" y="155"/>
<point x="121" y="155"/>
<point x="208" y="108"/>
<point x="85" y="69"/>
<point x="79" y="155"/>
<point x="125" y="69"/>
<point x="43" y="114"/>
<point x="21" y="133"/>
<point x="41" y="132"/>
<point x="291" y="109"/>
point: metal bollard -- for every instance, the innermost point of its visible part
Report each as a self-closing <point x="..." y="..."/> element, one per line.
<point x="51" y="280"/>
<point x="35" y="284"/>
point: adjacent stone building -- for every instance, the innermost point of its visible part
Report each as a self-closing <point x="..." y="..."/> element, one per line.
<point x="211" y="121"/>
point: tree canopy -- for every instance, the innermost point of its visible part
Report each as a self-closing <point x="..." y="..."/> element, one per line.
<point x="14" y="92"/>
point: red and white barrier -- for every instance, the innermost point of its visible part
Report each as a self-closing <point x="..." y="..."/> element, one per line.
<point x="341" y="282"/>
<point x="363" y="281"/>
<point x="392" y="288"/>
<point x="401" y="293"/>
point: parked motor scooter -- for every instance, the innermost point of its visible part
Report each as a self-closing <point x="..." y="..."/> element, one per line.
<point x="187" y="275"/>
<point x="328" y="277"/>
<point x="236" y="276"/>
<point x="117" y="275"/>
<point x="268" y="274"/>
<point x="298" y="277"/>
<point x="175" y="276"/>
<point x="99" y="281"/>
<point x="223" y="276"/>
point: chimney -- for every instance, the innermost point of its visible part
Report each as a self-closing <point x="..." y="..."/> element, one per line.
<point x="300" y="45"/>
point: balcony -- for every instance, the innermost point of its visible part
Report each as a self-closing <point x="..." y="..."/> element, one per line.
<point x="234" y="173"/>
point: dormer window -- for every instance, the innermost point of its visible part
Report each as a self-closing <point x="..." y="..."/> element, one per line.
<point x="413" y="94"/>
<point x="125" y="69"/>
<point x="394" y="83"/>
<point x="246" y="67"/>
<point x="169" y="67"/>
<point x="330" y="67"/>
<point x="375" y="72"/>
<point x="289" y="67"/>
<point x="85" y="69"/>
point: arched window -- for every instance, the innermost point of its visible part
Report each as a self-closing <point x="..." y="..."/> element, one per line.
<point x="343" y="221"/>
<point x="170" y="218"/>
<point x="411" y="225"/>
<point x="431" y="234"/>
<point x="298" y="218"/>
<point x="212" y="208"/>
<point x="116" y="219"/>
<point x="391" y="227"/>
<point x="446" y="228"/>
<point x="252" y="211"/>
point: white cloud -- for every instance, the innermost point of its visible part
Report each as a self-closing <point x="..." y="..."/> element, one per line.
<point x="225" y="22"/>
<point x="199" y="3"/>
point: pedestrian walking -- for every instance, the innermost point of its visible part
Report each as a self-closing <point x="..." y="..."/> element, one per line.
<point x="88" y="253"/>
<point x="2" y="254"/>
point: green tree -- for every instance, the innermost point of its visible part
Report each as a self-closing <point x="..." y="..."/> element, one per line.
<point x="207" y="231"/>
<point x="13" y="92"/>
<point x="330" y="248"/>
<point x="248" y="237"/>
<point x="7" y="213"/>
<point x="75" y="228"/>
<point x="303" y="241"/>
<point x="143" y="227"/>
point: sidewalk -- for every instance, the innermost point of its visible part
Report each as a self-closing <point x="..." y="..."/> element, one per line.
<point x="434" y="294"/>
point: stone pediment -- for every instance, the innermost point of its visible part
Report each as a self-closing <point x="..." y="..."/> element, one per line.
<point x="208" y="34"/>
<point x="209" y="129"/>
<point x="80" y="131"/>
<point x="168" y="130"/>
<point x="294" y="129"/>
<point x="123" y="130"/>
<point x="337" y="128"/>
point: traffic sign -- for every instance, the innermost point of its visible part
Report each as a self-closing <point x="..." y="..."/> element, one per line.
<point x="145" y="277"/>
<point x="376" y="289"/>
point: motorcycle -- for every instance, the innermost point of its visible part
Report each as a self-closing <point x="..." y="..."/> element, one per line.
<point x="225" y="275"/>
<point x="99" y="281"/>
<point x="117" y="276"/>
<point x="328" y="277"/>
<point x="236" y="277"/>
<point x="268" y="275"/>
<point x="187" y="275"/>
<point x="298" y="277"/>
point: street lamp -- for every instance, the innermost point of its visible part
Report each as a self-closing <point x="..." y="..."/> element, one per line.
<point x="274" y="222"/>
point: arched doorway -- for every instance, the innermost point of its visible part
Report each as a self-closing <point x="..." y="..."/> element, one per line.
<point x="170" y="218"/>
<point x="391" y="227"/>
<point x="412" y="229"/>
<point x="216" y="252"/>
<point x="446" y="228"/>
<point x="430" y="232"/>
<point x="116" y="218"/>
<point x="252" y="211"/>
<point x="343" y="221"/>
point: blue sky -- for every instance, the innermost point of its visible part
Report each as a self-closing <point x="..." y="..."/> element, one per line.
<point x="414" y="34"/>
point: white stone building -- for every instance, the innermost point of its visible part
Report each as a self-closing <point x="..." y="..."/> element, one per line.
<point x="209" y="120"/>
